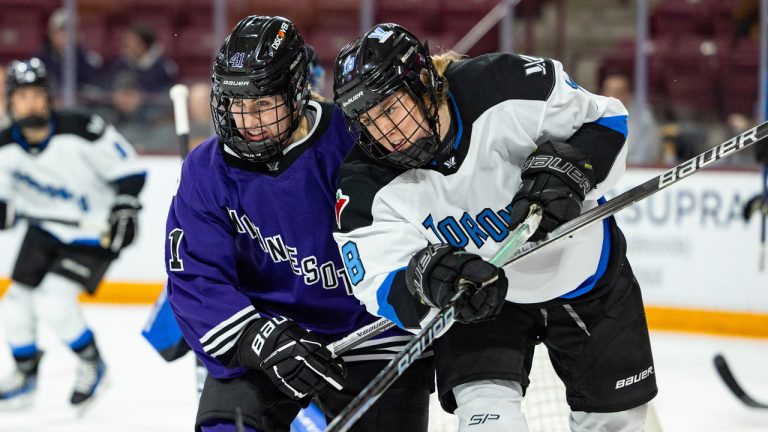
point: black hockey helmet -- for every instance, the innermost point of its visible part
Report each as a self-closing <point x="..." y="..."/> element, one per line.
<point x="263" y="56"/>
<point x="26" y="73"/>
<point x="373" y="67"/>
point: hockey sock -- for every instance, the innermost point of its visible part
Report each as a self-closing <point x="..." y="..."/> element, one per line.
<point x="632" y="420"/>
<point x="490" y="405"/>
<point x="17" y="312"/>
<point x="57" y="305"/>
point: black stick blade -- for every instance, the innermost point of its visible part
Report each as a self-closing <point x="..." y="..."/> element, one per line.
<point x="725" y="373"/>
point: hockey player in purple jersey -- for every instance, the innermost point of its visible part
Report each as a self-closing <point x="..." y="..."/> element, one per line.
<point x="451" y="154"/>
<point x="255" y="278"/>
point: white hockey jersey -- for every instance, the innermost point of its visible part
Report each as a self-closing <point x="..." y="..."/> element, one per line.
<point x="503" y="106"/>
<point x="67" y="177"/>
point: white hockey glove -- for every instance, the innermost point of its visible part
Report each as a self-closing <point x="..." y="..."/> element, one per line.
<point x="123" y="222"/>
<point x="294" y="359"/>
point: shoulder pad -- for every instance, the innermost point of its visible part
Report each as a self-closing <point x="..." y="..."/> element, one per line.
<point x="85" y="125"/>
<point x="504" y="76"/>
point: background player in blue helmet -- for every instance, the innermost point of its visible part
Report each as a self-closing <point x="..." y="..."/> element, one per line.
<point x="451" y="154"/>
<point x="255" y="278"/>
<point x="76" y="182"/>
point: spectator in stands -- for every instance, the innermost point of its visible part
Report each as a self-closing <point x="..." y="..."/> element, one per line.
<point x="644" y="143"/>
<point x="89" y="63"/>
<point x="200" y="125"/>
<point x="142" y="56"/>
<point x="148" y="127"/>
<point x="747" y="16"/>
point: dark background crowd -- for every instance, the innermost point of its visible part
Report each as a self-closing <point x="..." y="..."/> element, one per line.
<point x="703" y="56"/>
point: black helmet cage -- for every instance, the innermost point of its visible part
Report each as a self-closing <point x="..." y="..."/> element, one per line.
<point x="368" y="70"/>
<point x="23" y="73"/>
<point x="263" y="56"/>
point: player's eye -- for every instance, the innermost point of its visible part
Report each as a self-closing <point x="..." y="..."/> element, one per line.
<point x="365" y="121"/>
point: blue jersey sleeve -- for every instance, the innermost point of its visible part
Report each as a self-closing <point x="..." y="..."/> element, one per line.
<point x="202" y="275"/>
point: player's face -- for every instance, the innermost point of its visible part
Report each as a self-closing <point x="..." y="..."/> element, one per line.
<point x="397" y="122"/>
<point x="29" y="101"/>
<point x="262" y="118"/>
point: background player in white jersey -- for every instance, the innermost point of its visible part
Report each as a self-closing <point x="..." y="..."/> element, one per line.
<point x="451" y="153"/>
<point x="255" y="279"/>
<point x="75" y="180"/>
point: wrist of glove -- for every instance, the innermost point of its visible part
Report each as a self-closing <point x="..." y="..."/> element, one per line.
<point x="436" y="273"/>
<point x="557" y="177"/>
<point x="294" y="359"/>
<point x="123" y="222"/>
<point x="7" y="215"/>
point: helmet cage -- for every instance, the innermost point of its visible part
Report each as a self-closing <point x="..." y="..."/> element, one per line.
<point x="371" y="131"/>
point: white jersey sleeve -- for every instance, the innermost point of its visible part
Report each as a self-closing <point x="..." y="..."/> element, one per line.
<point x="569" y="108"/>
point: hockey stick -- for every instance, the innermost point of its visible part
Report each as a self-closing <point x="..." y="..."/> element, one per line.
<point x="179" y="94"/>
<point x="517" y="239"/>
<point x="67" y="222"/>
<point x="725" y="373"/>
<point x="395" y="368"/>
<point x="444" y="319"/>
<point x="757" y="134"/>
<point x="763" y="217"/>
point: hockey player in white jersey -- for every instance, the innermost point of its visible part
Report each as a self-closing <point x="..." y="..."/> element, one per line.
<point x="75" y="180"/>
<point x="451" y="154"/>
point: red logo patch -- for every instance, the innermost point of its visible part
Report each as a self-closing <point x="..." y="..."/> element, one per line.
<point x="341" y="202"/>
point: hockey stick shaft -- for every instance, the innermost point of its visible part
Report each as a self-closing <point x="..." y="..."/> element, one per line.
<point x="413" y="350"/>
<point x="763" y="217"/>
<point x="179" y="94"/>
<point x="517" y="239"/>
<point x="755" y="135"/>
<point x="67" y="222"/>
<point x="390" y="373"/>
<point x="725" y="373"/>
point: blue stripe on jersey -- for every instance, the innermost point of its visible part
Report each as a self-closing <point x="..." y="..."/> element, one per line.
<point x="120" y="150"/>
<point x="602" y="265"/>
<point x="617" y="123"/>
<point x="85" y="241"/>
<point x="24" y="350"/>
<point x="385" y="309"/>
<point x="460" y="127"/>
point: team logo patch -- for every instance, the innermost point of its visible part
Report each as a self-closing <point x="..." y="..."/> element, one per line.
<point x="349" y="63"/>
<point x="341" y="202"/>
<point x="380" y="34"/>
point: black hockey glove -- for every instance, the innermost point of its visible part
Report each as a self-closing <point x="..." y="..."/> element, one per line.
<point x="123" y="222"/>
<point x="294" y="359"/>
<point x="435" y="273"/>
<point x="557" y="177"/>
<point x="7" y="216"/>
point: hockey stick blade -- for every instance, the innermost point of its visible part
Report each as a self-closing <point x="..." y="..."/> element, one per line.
<point x="756" y="135"/>
<point x="725" y="373"/>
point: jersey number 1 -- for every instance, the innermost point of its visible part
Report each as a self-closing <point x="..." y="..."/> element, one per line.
<point x="175" y="263"/>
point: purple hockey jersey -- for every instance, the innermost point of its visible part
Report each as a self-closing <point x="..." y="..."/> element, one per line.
<point x="245" y="242"/>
